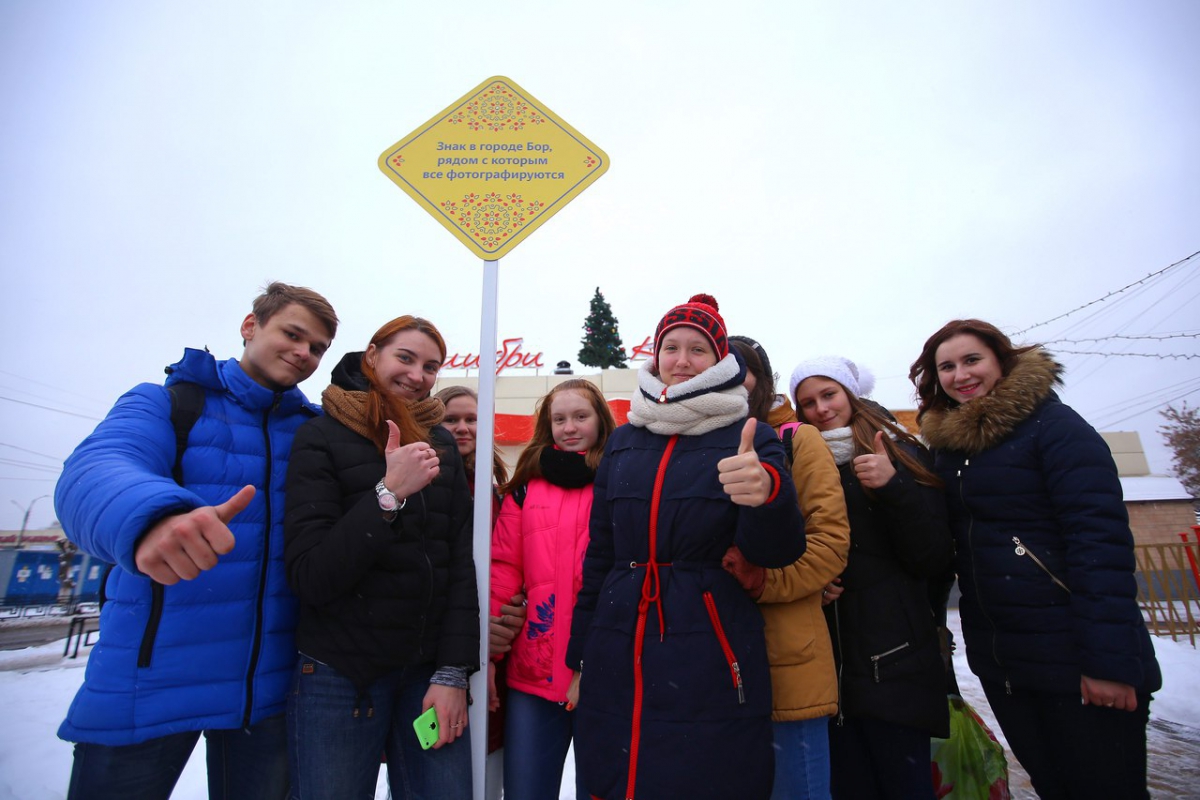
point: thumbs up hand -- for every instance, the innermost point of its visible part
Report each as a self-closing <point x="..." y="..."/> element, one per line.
<point x="181" y="546"/>
<point x="742" y="476"/>
<point x="875" y="469"/>
<point x="410" y="467"/>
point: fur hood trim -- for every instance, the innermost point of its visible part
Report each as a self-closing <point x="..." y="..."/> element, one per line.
<point x="981" y="424"/>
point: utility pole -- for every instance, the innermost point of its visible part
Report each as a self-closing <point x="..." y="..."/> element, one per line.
<point x="25" y="520"/>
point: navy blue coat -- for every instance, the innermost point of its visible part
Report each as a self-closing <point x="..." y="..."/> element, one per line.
<point x="700" y="735"/>
<point x="1029" y="481"/>
<point x="222" y="653"/>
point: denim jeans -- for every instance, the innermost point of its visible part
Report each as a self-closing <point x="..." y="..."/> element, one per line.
<point x="801" y="759"/>
<point x="248" y="764"/>
<point x="336" y="736"/>
<point x="537" y="736"/>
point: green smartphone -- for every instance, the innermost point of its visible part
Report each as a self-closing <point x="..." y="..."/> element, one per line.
<point x="426" y="727"/>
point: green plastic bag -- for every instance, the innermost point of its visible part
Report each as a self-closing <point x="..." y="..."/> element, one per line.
<point x="970" y="765"/>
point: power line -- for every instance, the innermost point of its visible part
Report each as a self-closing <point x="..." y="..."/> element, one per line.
<point x="1153" y="395"/>
<point x="31" y="452"/>
<point x="1162" y="402"/>
<point x="48" y="408"/>
<point x="1110" y="294"/>
<point x="11" y="462"/>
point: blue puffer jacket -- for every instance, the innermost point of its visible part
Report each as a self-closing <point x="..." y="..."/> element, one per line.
<point x="217" y="651"/>
<point x="696" y="694"/>
<point x="1045" y="554"/>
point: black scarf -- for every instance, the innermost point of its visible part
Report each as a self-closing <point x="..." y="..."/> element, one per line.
<point x="566" y="470"/>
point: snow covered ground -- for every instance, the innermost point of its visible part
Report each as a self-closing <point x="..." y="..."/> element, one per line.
<point x="37" y="684"/>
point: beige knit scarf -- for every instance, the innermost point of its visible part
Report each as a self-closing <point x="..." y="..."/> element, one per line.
<point x="350" y="409"/>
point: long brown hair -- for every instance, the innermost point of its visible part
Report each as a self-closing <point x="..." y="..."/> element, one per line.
<point x="762" y="396"/>
<point x="924" y="374"/>
<point x="529" y="464"/>
<point x="499" y="468"/>
<point x="865" y="422"/>
<point x="382" y="405"/>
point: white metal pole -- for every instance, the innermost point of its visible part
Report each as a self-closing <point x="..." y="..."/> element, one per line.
<point x="484" y="438"/>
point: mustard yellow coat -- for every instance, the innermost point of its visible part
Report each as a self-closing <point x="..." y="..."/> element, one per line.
<point x="803" y="678"/>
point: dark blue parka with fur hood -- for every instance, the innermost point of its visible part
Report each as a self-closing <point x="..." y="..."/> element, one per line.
<point x="1044" y="552"/>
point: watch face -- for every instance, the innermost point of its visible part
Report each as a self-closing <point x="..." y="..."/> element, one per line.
<point x="387" y="500"/>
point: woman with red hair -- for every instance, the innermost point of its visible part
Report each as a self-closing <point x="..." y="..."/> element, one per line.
<point x="378" y="549"/>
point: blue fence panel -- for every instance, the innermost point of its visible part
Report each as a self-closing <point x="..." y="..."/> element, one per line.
<point x="34" y="578"/>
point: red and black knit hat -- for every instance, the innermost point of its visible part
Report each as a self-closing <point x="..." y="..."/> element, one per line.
<point x="699" y="312"/>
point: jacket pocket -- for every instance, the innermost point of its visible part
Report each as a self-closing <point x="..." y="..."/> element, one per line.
<point x="887" y="657"/>
<point x="1023" y="551"/>
<point x="735" y="669"/>
<point x="151" y="633"/>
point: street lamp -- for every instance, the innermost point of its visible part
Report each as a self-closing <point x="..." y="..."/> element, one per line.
<point x="25" y="520"/>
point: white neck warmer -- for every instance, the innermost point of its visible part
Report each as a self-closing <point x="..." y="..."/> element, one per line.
<point x="841" y="444"/>
<point x="692" y="407"/>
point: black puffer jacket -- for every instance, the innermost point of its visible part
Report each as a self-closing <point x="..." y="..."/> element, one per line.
<point x="377" y="596"/>
<point x="883" y="629"/>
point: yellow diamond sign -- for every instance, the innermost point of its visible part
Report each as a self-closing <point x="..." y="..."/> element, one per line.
<point x="494" y="166"/>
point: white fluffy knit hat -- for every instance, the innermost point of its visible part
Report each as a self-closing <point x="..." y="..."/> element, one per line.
<point x="858" y="380"/>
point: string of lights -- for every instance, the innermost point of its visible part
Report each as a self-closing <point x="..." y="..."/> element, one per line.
<point x="1125" y="288"/>
<point x="1117" y="336"/>
<point x="1160" y="356"/>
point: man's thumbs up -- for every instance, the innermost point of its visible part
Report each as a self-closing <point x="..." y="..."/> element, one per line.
<point x="181" y="546"/>
<point x="874" y="470"/>
<point x="742" y="476"/>
<point x="235" y="505"/>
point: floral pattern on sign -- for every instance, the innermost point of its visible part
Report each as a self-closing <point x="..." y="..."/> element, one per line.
<point x="496" y="109"/>
<point x="491" y="217"/>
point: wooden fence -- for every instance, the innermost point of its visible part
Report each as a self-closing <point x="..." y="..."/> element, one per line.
<point x="1167" y="589"/>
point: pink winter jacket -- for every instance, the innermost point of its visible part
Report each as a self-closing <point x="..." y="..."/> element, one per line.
<point x="539" y="549"/>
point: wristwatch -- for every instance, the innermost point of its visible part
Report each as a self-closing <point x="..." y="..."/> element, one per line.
<point x="388" y="502"/>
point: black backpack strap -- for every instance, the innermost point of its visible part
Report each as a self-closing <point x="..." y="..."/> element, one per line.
<point x="787" y="432"/>
<point x="187" y="404"/>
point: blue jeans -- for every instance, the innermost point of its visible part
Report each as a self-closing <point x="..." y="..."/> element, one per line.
<point x="336" y="736"/>
<point x="248" y="764"/>
<point x="801" y="759"/>
<point x="537" y="736"/>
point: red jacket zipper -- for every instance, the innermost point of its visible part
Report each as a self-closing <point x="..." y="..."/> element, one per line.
<point x="735" y="669"/>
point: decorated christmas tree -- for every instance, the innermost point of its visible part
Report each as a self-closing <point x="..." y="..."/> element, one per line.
<point x="601" y="342"/>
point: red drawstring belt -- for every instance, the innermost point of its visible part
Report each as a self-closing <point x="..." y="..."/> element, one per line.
<point x="651" y="593"/>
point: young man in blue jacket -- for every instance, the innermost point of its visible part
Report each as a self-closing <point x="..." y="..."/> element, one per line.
<point x="196" y="631"/>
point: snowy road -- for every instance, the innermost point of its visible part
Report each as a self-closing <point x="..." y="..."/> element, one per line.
<point x="37" y="684"/>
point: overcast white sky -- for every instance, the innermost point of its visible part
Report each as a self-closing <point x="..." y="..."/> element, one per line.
<point x="843" y="177"/>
